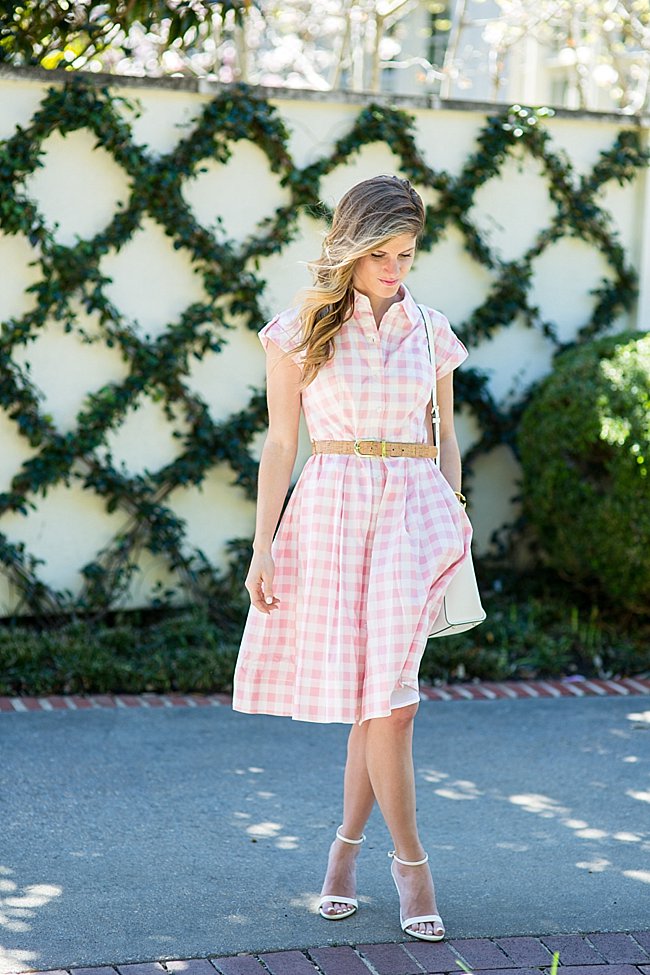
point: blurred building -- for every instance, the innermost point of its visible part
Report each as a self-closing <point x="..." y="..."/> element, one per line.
<point x="576" y="65"/>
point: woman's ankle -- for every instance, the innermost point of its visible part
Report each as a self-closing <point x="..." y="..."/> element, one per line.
<point x="410" y="853"/>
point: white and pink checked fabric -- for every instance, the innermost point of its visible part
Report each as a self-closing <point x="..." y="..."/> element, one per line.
<point x="366" y="547"/>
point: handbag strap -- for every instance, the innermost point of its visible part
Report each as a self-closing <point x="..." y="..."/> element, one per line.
<point x="435" y="411"/>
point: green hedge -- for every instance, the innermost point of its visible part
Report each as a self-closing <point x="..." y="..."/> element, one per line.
<point x="535" y="628"/>
<point x="585" y="451"/>
<point x="183" y="653"/>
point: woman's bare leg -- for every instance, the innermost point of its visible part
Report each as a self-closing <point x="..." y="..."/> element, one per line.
<point x="389" y="760"/>
<point x="358" y="800"/>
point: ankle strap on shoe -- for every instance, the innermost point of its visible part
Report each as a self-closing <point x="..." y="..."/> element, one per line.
<point x="409" y="863"/>
<point x="345" y="839"/>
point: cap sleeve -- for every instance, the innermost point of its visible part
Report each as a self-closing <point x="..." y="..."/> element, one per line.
<point x="284" y="331"/>
<point x="449" y="349"/>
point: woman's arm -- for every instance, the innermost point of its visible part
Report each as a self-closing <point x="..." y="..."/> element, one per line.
<point x="276" y="464"/>
<point x="449" y="450"/>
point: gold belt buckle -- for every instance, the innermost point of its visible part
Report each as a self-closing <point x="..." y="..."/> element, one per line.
<point x="357" y="449"/>
<point x="360" y="453"/>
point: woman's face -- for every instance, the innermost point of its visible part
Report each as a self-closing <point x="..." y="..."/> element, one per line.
<point x="380" y="273"/>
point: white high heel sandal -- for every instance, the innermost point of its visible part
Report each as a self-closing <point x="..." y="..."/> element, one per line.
<point x="426" y="918"/>
<point x="352" y="902"/>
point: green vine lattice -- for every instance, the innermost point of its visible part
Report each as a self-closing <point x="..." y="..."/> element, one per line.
<point x="158" y="367"/>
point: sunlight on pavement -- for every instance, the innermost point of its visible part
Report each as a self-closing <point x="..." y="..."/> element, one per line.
<point x="597" y="865"/>
<point x="548" y="808"/>
<point x="433" y="775"/>
<point x="452" y="789"/>
<point x="273" y="831"/>
<point x="238" y="918"/>
<point x="543" y="806"/>
<point x="287" y="843"/>
<point x="642" y="716"/>
<point x="264" y="829"/>
<point x="17" y="906"/>
<point x="642" y="875"/>
<point x="459" y="789"/>
<point x="641" y="796"/>
<point x="34" y="896"/>
<point x="11" y="961"/>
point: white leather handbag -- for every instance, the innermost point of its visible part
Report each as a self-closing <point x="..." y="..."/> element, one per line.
<point x="461" y="607"/>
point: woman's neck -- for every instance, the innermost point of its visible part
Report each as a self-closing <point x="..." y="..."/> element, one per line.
<point x="380" y="305"/>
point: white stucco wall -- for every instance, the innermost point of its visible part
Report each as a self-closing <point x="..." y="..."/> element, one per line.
<point x="78" y="189"/>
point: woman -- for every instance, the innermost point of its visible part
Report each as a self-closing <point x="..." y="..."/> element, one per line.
<point x="343" y="598"/>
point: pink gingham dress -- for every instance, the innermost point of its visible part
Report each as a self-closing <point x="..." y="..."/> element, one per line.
<point x="366" y="546"/>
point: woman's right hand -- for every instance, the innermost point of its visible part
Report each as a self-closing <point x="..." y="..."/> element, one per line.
<point x="259" y="582"/>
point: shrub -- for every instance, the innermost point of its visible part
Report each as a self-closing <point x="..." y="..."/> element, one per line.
<point x="536" y="627"/>
<point x="183" y="653"/>
<point x="585" y="450"/>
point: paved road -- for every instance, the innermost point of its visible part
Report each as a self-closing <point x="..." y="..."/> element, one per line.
<point x="128" y="835"/>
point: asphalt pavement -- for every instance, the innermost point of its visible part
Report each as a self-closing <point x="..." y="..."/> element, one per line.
<point x="128" y="835"/>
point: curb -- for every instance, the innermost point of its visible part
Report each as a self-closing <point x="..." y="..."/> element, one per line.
<point x="487" y="691"/>
<point x="569" y="687"/>
<point x="90" y="702"/>
<point x="565" y="687"/>
<point x="615" y="953"/>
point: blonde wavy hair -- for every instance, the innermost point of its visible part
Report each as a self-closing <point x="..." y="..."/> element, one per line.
<point x="370" y="214"/>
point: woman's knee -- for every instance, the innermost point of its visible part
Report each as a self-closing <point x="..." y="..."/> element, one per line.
<point x="357" y="736"/>
<point x="402" y="718"/>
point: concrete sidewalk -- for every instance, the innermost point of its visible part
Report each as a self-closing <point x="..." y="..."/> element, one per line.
<point x="132" y="835"/>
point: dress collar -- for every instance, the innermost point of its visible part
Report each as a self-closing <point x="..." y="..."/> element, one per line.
<point x="406" y="304"/>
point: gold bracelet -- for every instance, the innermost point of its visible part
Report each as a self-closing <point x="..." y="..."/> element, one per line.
<point x="461" y="498"/>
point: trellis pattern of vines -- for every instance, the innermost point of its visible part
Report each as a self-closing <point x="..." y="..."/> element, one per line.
<point x="159" y="367"/>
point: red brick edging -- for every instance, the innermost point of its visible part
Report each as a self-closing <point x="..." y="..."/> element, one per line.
<point x="592" y="954"/>
<point x="566" y="687"/>
<point x="88" y="702"/>
<point x="485" y="691"/>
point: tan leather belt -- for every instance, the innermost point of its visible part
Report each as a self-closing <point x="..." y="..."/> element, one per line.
<point x="374" y="448"/>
